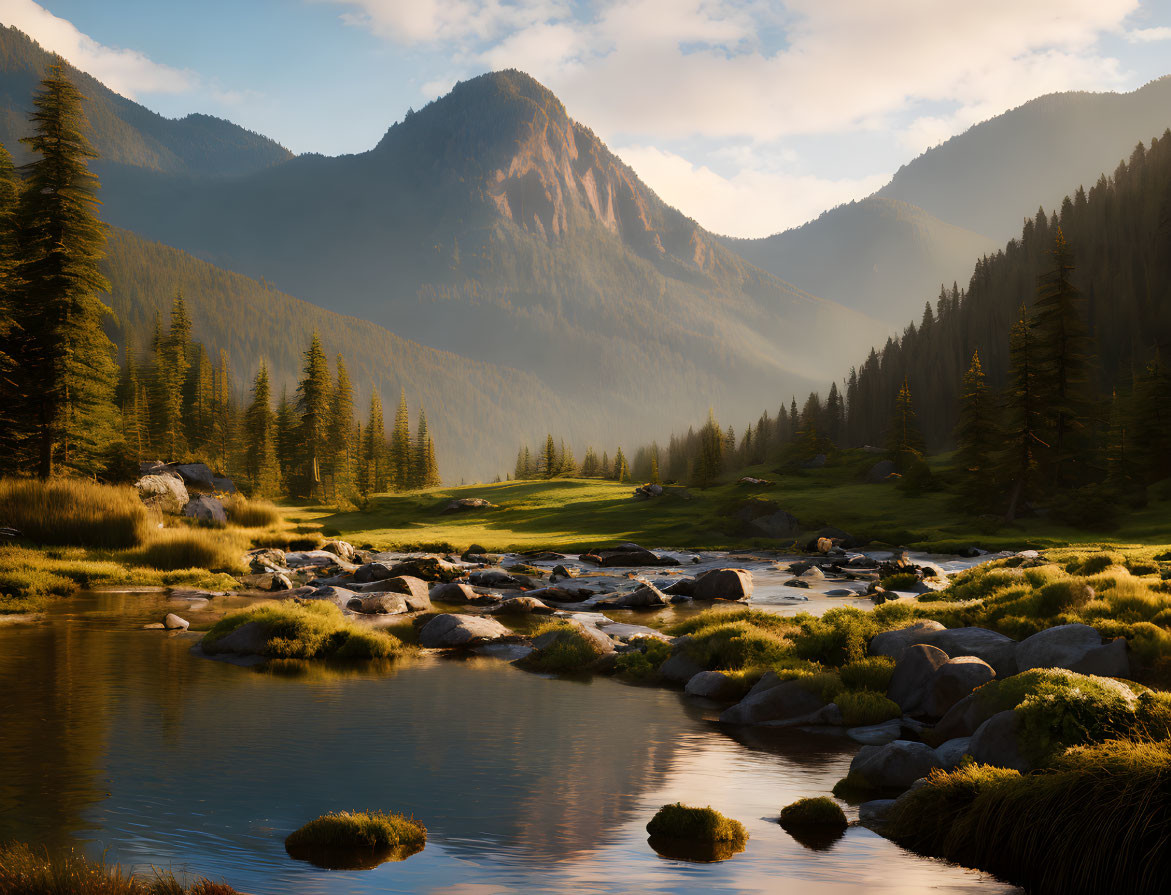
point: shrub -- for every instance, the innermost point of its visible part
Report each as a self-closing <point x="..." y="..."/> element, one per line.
<point x="1096" y="822"/>
<point x="312" y="630"/>
<point x="643" y="663"/>
<point x="900" y="581"/>
<point x="187" y="548"/>
<point x="24" y="871"/>
<point x="817" y="812"/>
<point x="838" y="637"/>
<point x="737" y="645"/>
<point x="251" y="513"/>
<point x="679" y="821"/>
<point x="1062" y="596"/>
<point x="870" y="673"/>
<point x="73" y="512"/>
<point x="572" y="649"/>
<point x="862" y="707"/>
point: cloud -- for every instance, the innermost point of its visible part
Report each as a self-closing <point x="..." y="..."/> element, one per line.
<point x="429" y="21"/>
<point x="126" y="71"/>
<point x="1148" y="35"/>
<point x="750" y="203"/>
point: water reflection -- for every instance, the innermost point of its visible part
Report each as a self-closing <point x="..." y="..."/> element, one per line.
<point x="122" y="739"/>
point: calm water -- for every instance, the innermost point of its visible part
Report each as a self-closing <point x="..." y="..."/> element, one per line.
<point x="118" y="738"/>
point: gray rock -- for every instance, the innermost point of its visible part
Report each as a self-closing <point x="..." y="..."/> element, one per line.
<point x="877" y="734"/>
<point x="767" y="681"/>
<point x="494" y="578"/>
<point x="1076" y="647"/>
<point x="340" y="596"/>
<point x="206" y="509"/>
<point x="880" y="472"/>
<point x="954" y="680"/>
<point x="784" y="701"/>
<point x="523" y="605"/>
<point x="952" y="752"/>
<point x="250" y="639"/>
<point x="914" y="672"/>
<point x="449" y="631"/>
<point x="429" y="568"/>
<point x="894" y="765"/>
<point x="962" y="719"/>
<point x="163" y="491"/>
<point x="626" y="555"/>
<point x="679" y="668"/>
<point x="173" y="623"/>
<point x="562" y="571"/>
<point x="723" y="584"/>
<point x="604" y="643"/>
<point x="646" y="597"/>
<point x="994" y="648"/>
<point x="684" y="587"/>
<point x="796" y="582"/>
<point x="562" y="594"/>
<point x="386" y="604"/>
<point x="468" y="504"/>
<point x="197" y="475"/>
<point x="340" y="549"/>
<point x="872" y="814"/>
<point x="458" y="592"/>
<point x="317" y="558"/>
<point x="996" y="743"/>
<point x="415" y="589"/>
<point x="712" y="685"/>
<point x="892" y="643"/>
<point x="841" y="592"/>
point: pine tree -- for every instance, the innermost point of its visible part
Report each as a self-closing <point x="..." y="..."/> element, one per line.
<point x="130" y="393"/>
<point x="9" y="392"/>
<point x="400" y="445"/>
<point x="66" y="365"/>
<point x="518" y="471"/>
<point x="1023" y="420"/>
<point x="655" y="468"/>
<point x="1063" y="363"/>
<point x="171" y="377"/>
<point x="198" y="400"/>
<point x="419" y="452"/>
<point x="313" y="400"/>
<point x="431" y="478"/>
<point x="1122" y="473"/>
<point x="709" y="461"/>
<point x="549" y="457"/>
<point x="341" y="433"/>
<point x="904" y="441"/>
<point x="621" y="470"/>
<point x="375" y="456"/>
<point x="567" y="464"/>
<point x="835" y="415"/>
<point x="977" y="440"/>
<point x="604" y="468"/>
<point x="529" y="470"/>
<point x="1151" y="420"/>
<point x="223" y="414"/>
<point x="260" y="459"/>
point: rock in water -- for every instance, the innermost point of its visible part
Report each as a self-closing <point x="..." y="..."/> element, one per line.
<point x="174" y="623"/>
<point x="723" y="584"/>
<point x="894" y="765"/>
<point x="712" y="685"/>
<point x="450" y="631"/>
<point x="625" y="555"/>
<point x="206" y="509"/>
<point x="784" y="701"/>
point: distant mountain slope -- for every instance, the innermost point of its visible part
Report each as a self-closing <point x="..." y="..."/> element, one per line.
<point x="879" y="256"/>
<point x="123" y="131"/>
<point x="477" y="411"/>
<point x="993" y="175"/>
<point x="491" y="224"/>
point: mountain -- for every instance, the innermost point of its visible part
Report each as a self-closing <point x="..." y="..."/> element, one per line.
<point x="477" y="411"/>
<point x="993" y="175"/>
<point x="887" y="254"/>
<point x="880" y="256"/>
<point x="123" y="131"/>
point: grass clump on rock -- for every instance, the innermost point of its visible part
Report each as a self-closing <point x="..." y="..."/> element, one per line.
<point x="862" y="707"/>
<point x="821" y="811"/>
<point x="643" y="663"/>
<point x="288" y="629"/>
<point x="571" y="649"/>
<point x="1096" y="821"/>
<point x="73" y="512"/>
<point x="356" y="839"/>
<point x="24" y="871"/>
<point x="695" y="834"/>
<point x="871" y="673"/>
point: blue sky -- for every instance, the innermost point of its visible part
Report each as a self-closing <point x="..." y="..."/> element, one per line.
<point x="749" y="115"/>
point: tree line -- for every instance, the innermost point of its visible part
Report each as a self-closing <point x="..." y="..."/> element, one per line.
<point x="68" y="407"/>
<point x="556" y="459"/>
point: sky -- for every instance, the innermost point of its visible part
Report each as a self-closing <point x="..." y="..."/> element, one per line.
<point x="751" y="116"/>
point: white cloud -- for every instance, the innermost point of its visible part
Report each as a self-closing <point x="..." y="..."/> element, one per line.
<point x="1148" y="35"/>
<point x="428" y="21"/>
<point x="126" y="71"/>
<point x="753" y="202"/>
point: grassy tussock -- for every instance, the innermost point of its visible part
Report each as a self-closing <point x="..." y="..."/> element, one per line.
<point x="821" y="811"/>
<point x="872" y="673"/>
<point x="643" y="664"/>
<point x="73" y="512"/>
<point x="24" y="871"/>
<point x="357" y="830"/>
<point x="571" y="651"/>
<point x="679" y="821"/>
<point x="312" y="630"/>
<point x="190" y="547"/>
<point x="1099" y="821"/>
<point x="862" y="707"/>
<point x="251" y="513"/>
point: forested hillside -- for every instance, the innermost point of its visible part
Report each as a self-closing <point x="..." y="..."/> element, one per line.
<point x="123" y="132"/>
<point x="477" y="408"/>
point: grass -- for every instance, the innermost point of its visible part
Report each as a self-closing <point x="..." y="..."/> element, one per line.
<point x="313" y="630"/>
<point x="191" y="547"/>
<point x="568" y="513"/>
<point x="572" y="650"/>
<point x="679" y="821"/>
<point x="821" y="811"/>
<point x="1098" y="821"/>
<point x="25" y="871"/>
<point x="358" y="830"/>
<point x="862" y="707"/>
<point x="900" y="581"/>
<point x="73" y="512"/>
<point x="642" y="665"/>
<point x="871" y="673"/>
<point x="251" y="513"/>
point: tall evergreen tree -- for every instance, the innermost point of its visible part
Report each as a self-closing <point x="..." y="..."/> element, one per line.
<point x="260" y="457"/>
<point x="66" y="362"/>
<point x="419" y="463"/>
<point x="1151" y="420"/>
<point x="621" y="470"/>
<point x="10" y="393"/>
<point x="518" y="471"/>
<point x="341" y="433"/>
<point x="130" y="394"/>
<point x="977" y="440"/>
<point x="375" y="456"/>
<point x="1023" y="419"/>
<point x="904" y="441"/>
<point x="313" y="409"/>
<point x="286" y="439"/>
<point x="400" y="445"/>
<point x="549" y="457"/>
<point x="709" y="460"/>
<point x="223" y="414"/>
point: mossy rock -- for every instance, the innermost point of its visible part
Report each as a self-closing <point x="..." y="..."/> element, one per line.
<point x="358" y="840"/>
<point x="816" y="823"/>
<point x="699" y="835"/>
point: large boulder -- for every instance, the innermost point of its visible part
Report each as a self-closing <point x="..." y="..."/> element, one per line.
<point x="555" y="594"/>
<point x="892" y="643"/>
<point x="783" y="702"/>
<point x="467" y="504"/>
<point x="343" y="550"/>
<point x="893" y="765"/>
<point x="952" y="752"/>
<point x="645" y="597"/>
<point x="206" y="509"/>
<point x="164" y="491"/>
<point x="910" y="684"/>
<point x="962" y="719"/>
<point x="996" y="742"/>
<point x="523" y="605"/>
<point x="413" y="592"/>
<point x="679" y="668"/>
<point x="174" y="623"/>
<point x="250" y="639"/>
<point x="684" y="587"/>
<point x="316" y="558"/>
<point x="389" y="603"/>
<point x="712" y="685"/>
<point x="429" y="568"/>
<point x="450" y="631"/>
<point x="723" y="584"/>
<point x="1076" y="647"/>
<point x="994" y="648"/>
<point x="604" y="643"/>
<point x="954" y="680"/>
<point x="458" y="592"/>
<point x="341" y="596"/>
<point x="495" y="578"/>
<point x="625" y="555"/>
<point x="196" y="475"/>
